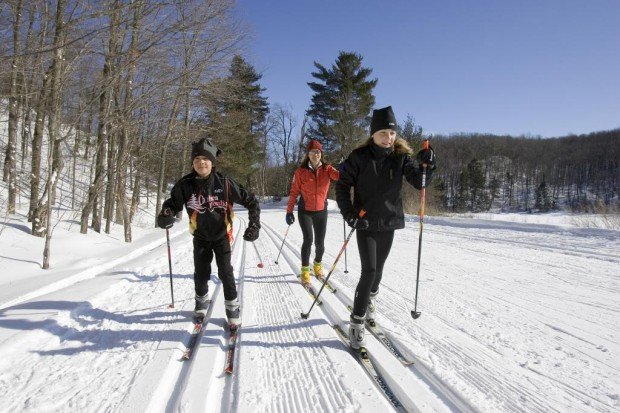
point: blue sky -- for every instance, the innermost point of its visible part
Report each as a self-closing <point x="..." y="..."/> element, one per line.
<point x="545" y="68"/>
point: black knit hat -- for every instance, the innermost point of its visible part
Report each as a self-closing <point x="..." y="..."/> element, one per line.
<point x="204" y="147"/>
<point x="382" y="119"/>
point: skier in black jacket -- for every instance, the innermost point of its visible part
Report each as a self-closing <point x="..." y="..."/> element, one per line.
<point x="375" y="171"/>
<point x="208" y="197"/>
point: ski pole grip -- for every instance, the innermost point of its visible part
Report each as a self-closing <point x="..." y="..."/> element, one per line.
<point x="362" y="213"/>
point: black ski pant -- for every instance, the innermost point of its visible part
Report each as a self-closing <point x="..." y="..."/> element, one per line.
<point x="374" y="248"/>
<point x="309" y="220"/>
<point x="203" y="255"/>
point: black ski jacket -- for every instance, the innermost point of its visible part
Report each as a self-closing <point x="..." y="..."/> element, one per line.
<point x="376" y="176"/>
<point x="208" y="202"/>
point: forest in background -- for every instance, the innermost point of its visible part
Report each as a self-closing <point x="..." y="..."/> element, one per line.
<point x="126" y="85"/>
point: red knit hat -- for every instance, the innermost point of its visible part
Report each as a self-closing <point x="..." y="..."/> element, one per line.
<point x="314" y="144"/>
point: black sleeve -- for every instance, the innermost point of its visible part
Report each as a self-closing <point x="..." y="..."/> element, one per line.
<point x="413" y="172"/>
<point x="240" y="195"/>
<point x="349" y="170"/>
<point x="176" y="201"/>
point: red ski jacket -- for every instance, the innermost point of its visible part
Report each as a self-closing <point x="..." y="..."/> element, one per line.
<point x="313" y="186"/>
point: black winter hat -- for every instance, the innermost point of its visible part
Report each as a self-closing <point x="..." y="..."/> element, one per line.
<point x="204" y="147"/>
<point x="382" y="119"/>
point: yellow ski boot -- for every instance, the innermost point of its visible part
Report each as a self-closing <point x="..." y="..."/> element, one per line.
<point x="305" y="275"/>
<point x="318" y="271"/>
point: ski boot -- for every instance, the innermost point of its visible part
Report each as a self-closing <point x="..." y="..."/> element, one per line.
<point x="318" y="270"/>
<point x="305" y="274"/>
<point x="372" y="309"/>
<point x="232" y="311"/>
<point x="356" y="333"/>
<point x="202" y="306"/>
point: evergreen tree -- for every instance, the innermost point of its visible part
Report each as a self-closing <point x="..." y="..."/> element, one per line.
<point x="341" y="104"/>
<point x="477" y="182"/>
<point x="461" y="198"/>
<point x="235" y="120"/>
<point x="543" y="201"/>
<point x="411" y="132"/>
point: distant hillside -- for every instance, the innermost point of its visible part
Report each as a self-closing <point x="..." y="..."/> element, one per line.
<point x="479" y="172"/>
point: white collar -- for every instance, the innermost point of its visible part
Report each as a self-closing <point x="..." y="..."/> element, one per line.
<point x="317" y="167"/>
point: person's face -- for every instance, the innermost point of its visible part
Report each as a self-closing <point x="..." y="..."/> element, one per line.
<point x="314" y="155"/>
<point x="384" y="138"/>
<point x="202" y="166"/>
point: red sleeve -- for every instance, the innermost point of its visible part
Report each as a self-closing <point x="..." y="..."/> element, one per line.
<point x="334" y="174"/>
<point x="294" y="193"/>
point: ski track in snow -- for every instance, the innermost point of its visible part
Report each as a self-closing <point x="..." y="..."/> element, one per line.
<point x="279" y="349"/>
<point x="284" y="351"/>
<point x="93" y="347"/>
<point x="451" y="342"/>
<point x="541" y="335"/>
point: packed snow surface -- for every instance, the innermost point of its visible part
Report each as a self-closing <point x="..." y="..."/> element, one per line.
<point x="517" y="316"/>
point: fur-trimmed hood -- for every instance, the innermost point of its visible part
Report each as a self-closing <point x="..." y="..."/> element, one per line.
<point x="401" y="147"/>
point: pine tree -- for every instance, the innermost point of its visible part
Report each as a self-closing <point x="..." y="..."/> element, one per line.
<point x="341" y="104"/>
<point x="543" y="200"/>
<point x="411" y="132"/>
<point x="236" y="119"/>
<point x="477" y="182"/>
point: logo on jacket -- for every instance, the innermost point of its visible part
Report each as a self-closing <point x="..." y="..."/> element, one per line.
<point x="196" y="203"/>
<point x="200" y="204"/>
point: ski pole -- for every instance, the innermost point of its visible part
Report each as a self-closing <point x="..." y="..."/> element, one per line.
<point x="260" y="261"/>
<point x="283" y="239"/>
<point x="344" y="234"/>
<point x="331" y="270"/>
<point x="415" y="314"/>
<point x="170" y="267"/>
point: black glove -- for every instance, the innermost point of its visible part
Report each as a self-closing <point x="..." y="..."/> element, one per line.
<point x="165" y="219"/>
<point x="358" y="223"/>
<point x="290" y="218"/>
<point x="251" y="233"/>
<point x="426" y="156"/>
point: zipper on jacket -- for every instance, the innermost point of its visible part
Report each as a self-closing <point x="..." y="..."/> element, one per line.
<point x="316" y="189"/>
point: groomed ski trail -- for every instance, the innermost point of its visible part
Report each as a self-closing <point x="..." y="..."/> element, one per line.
<point x="415" y="386"/>
<point x="278" y="350"/>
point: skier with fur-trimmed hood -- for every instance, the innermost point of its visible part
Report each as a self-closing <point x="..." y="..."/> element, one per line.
<point x="208" y="197"/>
<point x="375" y="171"/>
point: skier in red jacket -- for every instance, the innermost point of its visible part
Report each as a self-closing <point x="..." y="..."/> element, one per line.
<point x="311" y="180"/>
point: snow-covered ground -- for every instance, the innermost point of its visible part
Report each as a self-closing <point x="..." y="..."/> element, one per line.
<point x="516" y="316"/>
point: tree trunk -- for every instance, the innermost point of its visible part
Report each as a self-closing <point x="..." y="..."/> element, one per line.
<point x="35" y="166"/>
<point x="10" y="164"/>
<point x="93" y="203"/>
<point x="55" y="163"/>
<point x="123" y="150"/>
<point x="164" y="152"/>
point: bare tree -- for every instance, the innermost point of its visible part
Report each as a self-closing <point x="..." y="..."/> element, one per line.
<point x="10" y="166"/>
<point x="281" y="135"/>
<point x="54" y="162"/>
